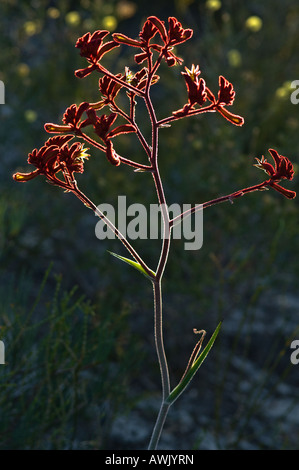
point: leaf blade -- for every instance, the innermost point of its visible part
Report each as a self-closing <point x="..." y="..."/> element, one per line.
<point x="135" y="265"/>
<point x="178" y="390"/>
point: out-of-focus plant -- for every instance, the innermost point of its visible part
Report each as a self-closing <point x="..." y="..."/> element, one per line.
<point x="59" y="158"/>
<point x="56" y="359"/>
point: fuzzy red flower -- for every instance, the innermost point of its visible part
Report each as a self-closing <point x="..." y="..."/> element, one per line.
<point x="282" y="169"/>
<point x="92" y="48"/>
<point x="71" y="119"/>
<point x="55" y="156"/>
<point x="195" y="86"/>
<point x="176" y="34"/>
<point x="226" y="96"/>
<point x="72" y="158"/>
<point x="102" y="125"/>
<point x="226" y="93"/>
<point x="109" y="87"/>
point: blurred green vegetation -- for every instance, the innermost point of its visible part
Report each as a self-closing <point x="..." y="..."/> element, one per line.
<point x="249" y="248"/>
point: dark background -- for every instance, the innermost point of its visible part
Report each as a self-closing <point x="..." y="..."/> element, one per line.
<point x="81" y="370"/>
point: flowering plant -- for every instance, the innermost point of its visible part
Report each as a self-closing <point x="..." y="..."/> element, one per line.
<point x="58" y="159"/>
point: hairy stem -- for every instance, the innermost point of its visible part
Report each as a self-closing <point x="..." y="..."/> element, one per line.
<point x="158" y="316"/>
<point x="158" y="327"/>
<point x="159" y="426"/>
<point x="230" y="197"/>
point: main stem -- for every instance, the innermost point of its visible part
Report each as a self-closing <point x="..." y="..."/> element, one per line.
<point x="157" y="282"/>
<point x="158" y="326"/>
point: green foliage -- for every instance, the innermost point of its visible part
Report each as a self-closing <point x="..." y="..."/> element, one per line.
<point x="68" y="368"/>
<point x="194" y="366"/>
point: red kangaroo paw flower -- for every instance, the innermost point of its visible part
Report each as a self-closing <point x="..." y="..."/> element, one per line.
<point x="282" y="169"/>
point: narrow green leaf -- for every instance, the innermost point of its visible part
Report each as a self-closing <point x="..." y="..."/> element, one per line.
<point x="135" y="265"/>
<point x="176" y="392"/>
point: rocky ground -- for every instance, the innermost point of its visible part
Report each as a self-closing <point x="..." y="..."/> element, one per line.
<point x="246" y="398"/>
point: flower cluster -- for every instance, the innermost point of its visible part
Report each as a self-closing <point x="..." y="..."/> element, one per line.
<point x="176" y="34"/>
<point x="282" y="169"/>
<point x="92" y="48"/>
<point x="155" y="37"/>
<point x="53" y="157"/>
<point x="199" y="93"/>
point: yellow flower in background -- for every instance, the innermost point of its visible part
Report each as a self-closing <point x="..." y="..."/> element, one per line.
<point x="53" y="13"/>
<point x="73" y="18"/>
<point x="109" y="22"/>
<point x="23" y="70"/>
<point x="284" y="90"/>
<point x="254" y="24"/>
<point x="213" y="5"/>
<point x="234" y="58"/>
<point x="30" y="115"/>
<point x="32" y="27"/>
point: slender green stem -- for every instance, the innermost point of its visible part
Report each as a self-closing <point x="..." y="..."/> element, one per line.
<point x="158" y="326"/>
<point x="159" y="426"/>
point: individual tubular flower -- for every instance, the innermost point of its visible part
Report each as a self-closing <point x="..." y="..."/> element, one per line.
<point x="176" y="34"/>
<point x="109" y="89"/>
<point x="147" y="33"/>
<point x="149" y="30"/>
<point x="226" y="96"/>
<point x="102" y="125"/>
<point x="71" y="119"/>
<point x="196" y="90"/>
<point x="92" y="48"/>
<point x="226" y="93"/>
<point x="282" y="169"/>
<point x="71" y="159"/>
<point x="55" y="156"/>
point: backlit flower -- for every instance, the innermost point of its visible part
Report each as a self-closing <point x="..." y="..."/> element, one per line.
<point x="53" y="157"/>
<point x="92" y="48"/>
<point x="282" y="169"/>
<point x="176" y="34"/>
<point x="226" y="93"/>
<point x="71" y="119"/>
<point x="195" y="86"/>
<point x="102" y="125"/>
